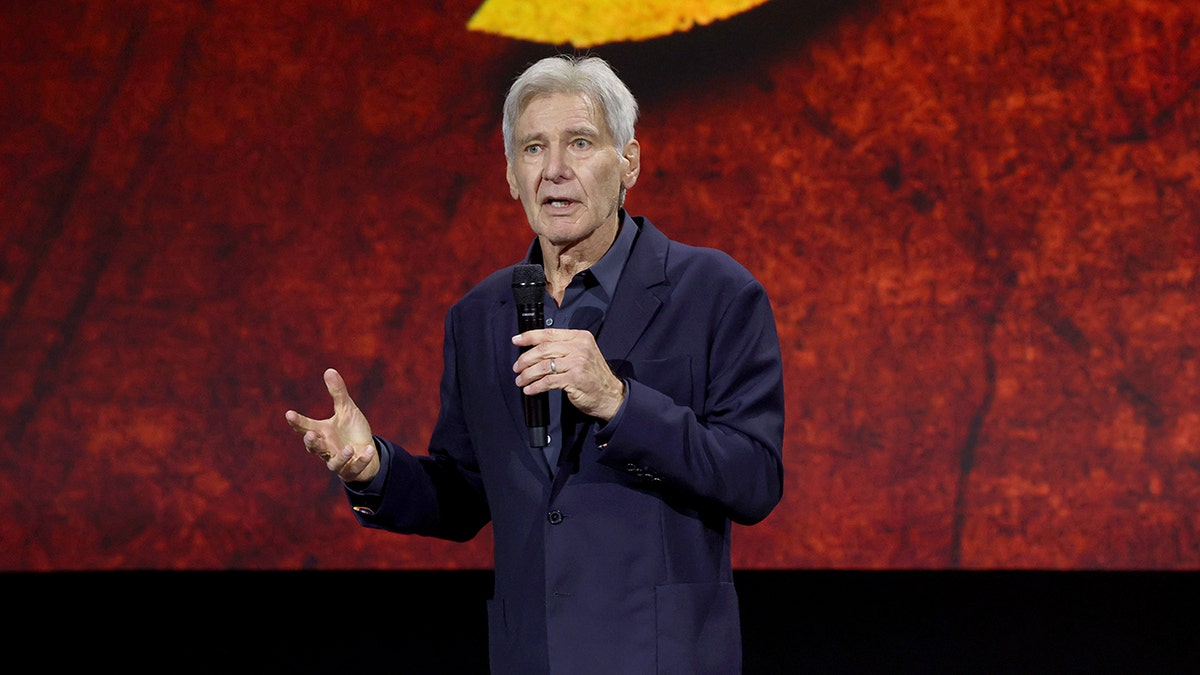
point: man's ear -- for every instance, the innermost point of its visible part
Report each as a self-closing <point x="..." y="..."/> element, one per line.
<point x="632" y="156"/>
<point x="512" y="180"/>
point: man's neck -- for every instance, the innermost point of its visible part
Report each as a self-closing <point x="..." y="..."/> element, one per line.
<point x="562" y="263"/>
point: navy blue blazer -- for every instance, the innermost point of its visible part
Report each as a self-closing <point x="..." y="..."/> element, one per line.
<point x="620" y="562"/>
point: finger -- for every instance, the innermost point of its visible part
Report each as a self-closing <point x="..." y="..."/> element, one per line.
<point x="338" y="460"/>
<point x="540" y="367"/>
<point x="534" y="337"/>
<point x="315" y="444"/>
<point x="527" y="360"/>
<point x="530" y="337"/>
<point x="299" y="422"/>
<point x="537" y="359"/>
<point x="356" y="463"/>
<point x="348" y="464"/>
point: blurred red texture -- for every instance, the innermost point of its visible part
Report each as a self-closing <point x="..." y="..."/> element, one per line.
<point x="978" y="224"/>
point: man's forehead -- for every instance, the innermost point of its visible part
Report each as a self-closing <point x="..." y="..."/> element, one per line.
<point x="569" y="110"/>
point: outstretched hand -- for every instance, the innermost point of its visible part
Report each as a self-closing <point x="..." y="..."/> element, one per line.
<point x="343" y="441"/>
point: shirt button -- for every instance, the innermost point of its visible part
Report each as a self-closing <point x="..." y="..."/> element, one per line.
<point x="555" y="517"/>
<point x="549" y="322"/>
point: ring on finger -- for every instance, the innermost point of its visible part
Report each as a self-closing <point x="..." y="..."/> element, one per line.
<point x="553" y="366"/>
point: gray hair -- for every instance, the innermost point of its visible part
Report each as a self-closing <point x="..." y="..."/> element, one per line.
<point x="590" y="76"/>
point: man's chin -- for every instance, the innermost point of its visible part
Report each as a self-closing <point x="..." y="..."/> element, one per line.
<point x="561" y="232"/>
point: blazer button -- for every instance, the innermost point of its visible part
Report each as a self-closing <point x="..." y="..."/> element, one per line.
<point x="555" y="517"/>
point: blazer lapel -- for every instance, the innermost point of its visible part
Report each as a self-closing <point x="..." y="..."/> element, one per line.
<point x="640" y="294"/>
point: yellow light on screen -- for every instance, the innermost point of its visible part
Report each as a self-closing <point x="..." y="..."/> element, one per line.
<point x="589" y="23"/>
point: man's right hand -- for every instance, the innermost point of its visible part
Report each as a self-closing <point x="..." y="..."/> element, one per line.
<point x="343" y="441"/>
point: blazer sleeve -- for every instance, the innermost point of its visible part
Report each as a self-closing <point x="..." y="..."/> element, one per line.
<point x="440" y="495"/>
<point x="728" y="449"/>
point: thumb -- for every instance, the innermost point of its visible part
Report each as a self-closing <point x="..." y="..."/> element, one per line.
<point x="337" y="389"/>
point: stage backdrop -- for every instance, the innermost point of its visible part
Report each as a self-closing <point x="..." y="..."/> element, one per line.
<point x="977" y="221"/>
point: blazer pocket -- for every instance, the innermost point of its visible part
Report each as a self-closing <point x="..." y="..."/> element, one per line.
<point x="500" y="645"/>
<point x="698" y="629"/>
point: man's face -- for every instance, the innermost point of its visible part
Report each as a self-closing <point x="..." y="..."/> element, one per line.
<point x="566" y="171"/>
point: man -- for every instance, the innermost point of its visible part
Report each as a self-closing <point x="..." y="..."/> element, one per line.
<point x="612" y="544"/>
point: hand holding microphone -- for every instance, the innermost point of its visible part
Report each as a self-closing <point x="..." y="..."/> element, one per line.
<point x="555" y="358"/>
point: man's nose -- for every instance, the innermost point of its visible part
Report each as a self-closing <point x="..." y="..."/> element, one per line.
<point x="557" y="166"/>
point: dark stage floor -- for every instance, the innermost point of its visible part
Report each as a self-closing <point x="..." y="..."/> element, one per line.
<point x="434" y="622"/>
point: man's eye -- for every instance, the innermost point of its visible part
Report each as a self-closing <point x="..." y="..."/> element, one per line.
<point x="582" y="144"/>
<point x="533" y="149"/>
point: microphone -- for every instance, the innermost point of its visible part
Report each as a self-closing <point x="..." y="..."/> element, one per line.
<point x="529" y="292"/>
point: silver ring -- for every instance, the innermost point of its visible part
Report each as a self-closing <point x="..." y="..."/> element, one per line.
<point x="553" y="367"/>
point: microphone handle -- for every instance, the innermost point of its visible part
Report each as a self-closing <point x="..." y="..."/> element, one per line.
<point x="537" y="407"/>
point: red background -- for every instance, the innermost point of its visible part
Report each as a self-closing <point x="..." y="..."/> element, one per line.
<point x="978" y="223"/>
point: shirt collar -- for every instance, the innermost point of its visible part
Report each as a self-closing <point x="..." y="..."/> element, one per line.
<point x="607" y="270"/>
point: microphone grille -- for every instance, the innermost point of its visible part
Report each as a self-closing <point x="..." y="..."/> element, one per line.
<point x="528" y="284"/>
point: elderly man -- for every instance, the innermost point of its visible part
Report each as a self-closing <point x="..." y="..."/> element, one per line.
<point x="662" y="368"/>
